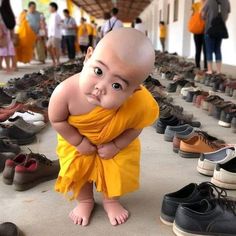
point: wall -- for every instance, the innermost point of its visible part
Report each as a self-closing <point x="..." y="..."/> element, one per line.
<point x="178" y="38"/>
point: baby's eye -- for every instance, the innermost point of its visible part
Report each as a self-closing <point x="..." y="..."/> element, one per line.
<point x="98" y="71"/>
<point x="116" y="86"/>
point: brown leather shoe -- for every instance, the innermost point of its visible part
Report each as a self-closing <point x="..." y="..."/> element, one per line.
<point x="37" y="169"/>
<point x="194" y="146"/>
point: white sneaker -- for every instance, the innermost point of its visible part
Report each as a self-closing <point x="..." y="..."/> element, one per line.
<point x="208" y="161"/>
<point x="29" y="116"/>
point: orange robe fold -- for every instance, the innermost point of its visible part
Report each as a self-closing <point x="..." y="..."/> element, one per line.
<point x="27" y="39"/>
<point x="116" y="176"/>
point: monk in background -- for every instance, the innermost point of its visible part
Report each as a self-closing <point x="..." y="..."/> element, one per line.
<point x="27" y="39"/>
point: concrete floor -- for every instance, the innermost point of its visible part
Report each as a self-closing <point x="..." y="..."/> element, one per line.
<point x="41" y="211"/>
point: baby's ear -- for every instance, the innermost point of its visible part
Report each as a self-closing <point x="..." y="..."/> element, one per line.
<point x="89" y="53"/>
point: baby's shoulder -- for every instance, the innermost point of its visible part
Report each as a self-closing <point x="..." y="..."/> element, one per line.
<point x="69" y="85"/>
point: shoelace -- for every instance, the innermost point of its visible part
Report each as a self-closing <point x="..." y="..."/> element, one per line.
<point x="41" y="158"/>
<point x="206" y="138"/>
<point x="221" y="198"/>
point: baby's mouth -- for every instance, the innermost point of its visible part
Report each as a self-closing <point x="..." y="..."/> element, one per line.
<point x="94" y="97"/>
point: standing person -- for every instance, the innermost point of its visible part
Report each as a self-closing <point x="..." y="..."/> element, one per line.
<point x="199" y="40"/>
<point x="138" y="25"/>
<point x="213" y="44"/>
<point x="83" y="36"/>
<point x="54" y="34"/>
<point x="69" y="26"/>
<point x="34" y="19"/>
<point x="8" y="19"/>
<point x="7" y="51"/>
<point x="162" y="34"/>
<point x="27" y="39"/>
<point x="41" y="40"/>
<point x="112" y="23"/>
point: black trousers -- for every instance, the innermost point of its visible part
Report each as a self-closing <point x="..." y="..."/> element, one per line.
<point x="90" y="40"/>
<point x="199" y="46"/>
<point x="70" y="44"/>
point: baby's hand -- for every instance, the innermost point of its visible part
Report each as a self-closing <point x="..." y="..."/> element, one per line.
<point x="86" y="147"/>
<point x="108" y="150"/>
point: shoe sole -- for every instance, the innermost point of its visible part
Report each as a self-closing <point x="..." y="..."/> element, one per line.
<point x="166" y="222"/>
<point x="189" y="154"/>
<point x="7" y="181"/>
<point x="25" y="141"/>
<point x="205" y="171"/>
<point x="26" y="186"/>
<point x="180" y="232"/>
<point x="175" y="150"/>
<point x="168" y="138"/>
<point x="222" y="184"/>
<point x="160" y="130"/>
<point x="224" y="124"/>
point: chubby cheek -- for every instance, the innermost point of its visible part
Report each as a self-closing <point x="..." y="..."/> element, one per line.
<point x="87" y="83"/>
<point x="112" y="101"/>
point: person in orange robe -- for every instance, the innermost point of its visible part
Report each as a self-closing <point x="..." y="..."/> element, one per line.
<point x="27" y="39"/>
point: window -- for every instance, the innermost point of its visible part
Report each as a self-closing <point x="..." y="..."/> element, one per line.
<point x="160" y="15"/>
<point x="168" y="14"/>
<point x="176" y="10"/>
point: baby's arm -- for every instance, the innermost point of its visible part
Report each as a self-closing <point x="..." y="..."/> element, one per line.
<point x="109" y="150"/>
<point x="58" y="115"/>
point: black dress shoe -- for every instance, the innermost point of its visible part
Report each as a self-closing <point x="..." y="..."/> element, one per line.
<point x="215" y="217"/>
<point x="16" y="135"/>
<point x="9" y="229"/>
<point x="189" y="194"/>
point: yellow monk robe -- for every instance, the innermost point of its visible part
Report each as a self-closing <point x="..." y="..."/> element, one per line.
<point x="27" y="39"/>
<point x="115" y="176"/>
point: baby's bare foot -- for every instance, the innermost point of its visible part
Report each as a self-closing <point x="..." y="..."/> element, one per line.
<point x="80" y="215"/>
<point x="117" y="214"/>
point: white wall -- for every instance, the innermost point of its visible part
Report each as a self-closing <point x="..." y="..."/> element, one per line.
<point x="178" y="38"/>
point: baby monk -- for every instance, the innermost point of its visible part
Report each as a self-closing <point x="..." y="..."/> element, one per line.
<point x="99" y="113"/>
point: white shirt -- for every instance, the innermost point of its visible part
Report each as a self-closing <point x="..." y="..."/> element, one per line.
<point x="111" y="24"/>
<point x="54" y="25"/>
<point x="140" y="27"/>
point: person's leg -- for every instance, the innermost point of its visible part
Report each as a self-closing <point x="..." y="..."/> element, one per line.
<point x="218" y="55"/>
<point x="56" y="50"/>
<point x="73" y="50"/>
<point x="116" y="213"/>
<point x="162" y="44"/>
<point x="7" y="61"/>
<point x="14" y="63"/>
<point x="50" y="50"/>
<point x="67" y="43"/>
<point x="81" y="214"/>
<point x="204" y="52"/>
<point x="198" y="49"/>
<point x="209" y="51"/>
<point x="1" y="60"/>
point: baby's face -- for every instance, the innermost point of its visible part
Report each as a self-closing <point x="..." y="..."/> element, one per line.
<point x="107" y="81"/>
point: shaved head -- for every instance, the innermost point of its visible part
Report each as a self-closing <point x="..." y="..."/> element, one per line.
<point x="131" y="47"/>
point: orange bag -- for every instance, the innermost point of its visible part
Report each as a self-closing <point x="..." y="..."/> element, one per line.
<point x="196" y="24"/>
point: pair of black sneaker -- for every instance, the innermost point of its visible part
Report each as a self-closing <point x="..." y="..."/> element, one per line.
<point x="202" y="209"/>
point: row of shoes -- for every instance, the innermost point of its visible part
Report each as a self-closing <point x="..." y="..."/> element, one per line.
<point x="199" y="209"/>
<point x="216" y="106"/>
<point x="217" y="82"/>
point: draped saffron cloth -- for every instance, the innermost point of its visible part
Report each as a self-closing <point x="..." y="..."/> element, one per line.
<point x="119" y="175"/>
<point x="27" y="39"/>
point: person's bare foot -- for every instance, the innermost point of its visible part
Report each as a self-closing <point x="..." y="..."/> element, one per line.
<point x="80" y="215"/>
<point x="117" y="214"/>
